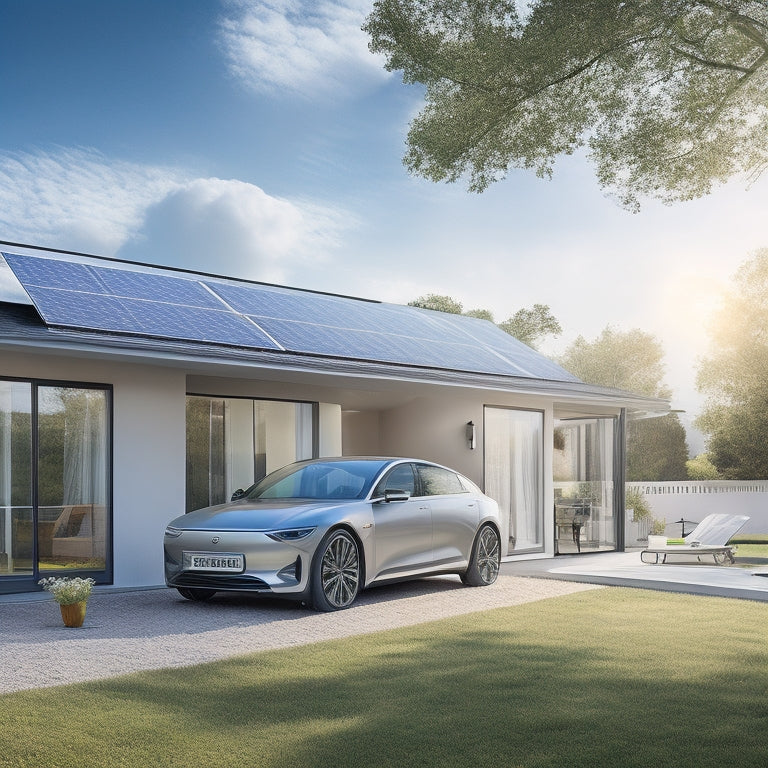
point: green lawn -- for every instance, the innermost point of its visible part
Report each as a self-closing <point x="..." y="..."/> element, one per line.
<point x="612" y="677"/>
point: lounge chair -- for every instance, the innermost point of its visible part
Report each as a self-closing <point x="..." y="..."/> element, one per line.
<point x="709" y="537"/>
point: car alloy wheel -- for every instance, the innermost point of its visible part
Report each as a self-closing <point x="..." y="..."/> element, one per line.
<point x="486" y="556"/>
<point x="337" y="578"/>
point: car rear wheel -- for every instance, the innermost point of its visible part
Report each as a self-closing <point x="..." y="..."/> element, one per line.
<point x="336" y="572"/>
<point x="198" y="595"/>
<point x="486" y="557"/>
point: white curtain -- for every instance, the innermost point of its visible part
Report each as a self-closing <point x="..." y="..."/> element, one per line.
<point x="85" y="446"/>
<point x="514" y="467"/>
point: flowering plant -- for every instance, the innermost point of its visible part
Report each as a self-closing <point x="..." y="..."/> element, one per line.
<point x="66" y="590"/>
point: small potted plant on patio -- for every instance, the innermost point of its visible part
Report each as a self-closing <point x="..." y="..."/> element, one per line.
<point x="71" y="593"/>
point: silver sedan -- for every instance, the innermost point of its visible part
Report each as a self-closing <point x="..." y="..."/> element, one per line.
<point x="321" y="530"/>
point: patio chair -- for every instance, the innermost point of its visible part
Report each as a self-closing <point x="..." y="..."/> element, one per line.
<point x="709" y="537"/>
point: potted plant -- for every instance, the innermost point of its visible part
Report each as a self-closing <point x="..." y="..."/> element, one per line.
<point x="71" y="593"/>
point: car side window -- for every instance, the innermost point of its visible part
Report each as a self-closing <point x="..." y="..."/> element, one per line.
<point x="400" y="478"/>
<point x="436" y="481"/>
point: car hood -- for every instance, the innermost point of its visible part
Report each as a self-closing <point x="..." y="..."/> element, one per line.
<point x="256" y="515"/>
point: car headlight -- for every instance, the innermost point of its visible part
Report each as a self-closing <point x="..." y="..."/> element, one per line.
<point x="291" y="534"/>
<point x="172" y="533"/>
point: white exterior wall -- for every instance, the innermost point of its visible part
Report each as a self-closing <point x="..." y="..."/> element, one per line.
<point x="149" y="476"/>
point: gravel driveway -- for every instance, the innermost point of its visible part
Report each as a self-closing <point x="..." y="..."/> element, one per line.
<point x="150" y="629"/>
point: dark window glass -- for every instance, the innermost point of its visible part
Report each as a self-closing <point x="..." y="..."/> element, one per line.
<point x="436" y="481"/>
<point x="401" y="478"/>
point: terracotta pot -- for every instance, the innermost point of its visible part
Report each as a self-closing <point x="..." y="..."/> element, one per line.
<point x="73" y="614"/>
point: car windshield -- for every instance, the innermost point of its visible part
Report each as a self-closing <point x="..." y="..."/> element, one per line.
<point x="319" y="480"/>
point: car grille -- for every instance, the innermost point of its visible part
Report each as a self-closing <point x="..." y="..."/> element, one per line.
<point x="223" y="581"/>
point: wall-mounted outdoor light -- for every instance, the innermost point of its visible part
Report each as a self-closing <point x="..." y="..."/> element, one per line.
<point x="470" y="432"/>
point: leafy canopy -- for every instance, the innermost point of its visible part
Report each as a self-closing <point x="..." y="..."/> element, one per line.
<point x="531" y="326"/>
<point x="734" y="376"/>
<point x="669" y="97"/>
<point x="631" y="360"/>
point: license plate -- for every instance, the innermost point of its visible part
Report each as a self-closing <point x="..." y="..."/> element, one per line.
<point x="210" y="561"/>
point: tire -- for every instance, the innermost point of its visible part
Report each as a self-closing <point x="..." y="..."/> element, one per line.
<point x="198" y="595"/>
<point x="336" y="572"/>
<point x="486" y="558"/>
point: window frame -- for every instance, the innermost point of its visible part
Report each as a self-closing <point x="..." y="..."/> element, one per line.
<point x="10" y="583"/>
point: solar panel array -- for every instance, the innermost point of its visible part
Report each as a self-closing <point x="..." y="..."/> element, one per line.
<point x="159" y="304"/>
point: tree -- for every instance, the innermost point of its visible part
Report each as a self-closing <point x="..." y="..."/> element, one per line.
<point x="531" y="326"/>
<point x="734" y="377"/>
<point x="701" y="468"/>
<point x="668" y="96"/>
<point x="438" y="303"/>
<point x="633" y="360"/>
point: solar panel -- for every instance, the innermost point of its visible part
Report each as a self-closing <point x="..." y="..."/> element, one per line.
<point x="94" y="298"/>
<point x="219" y="311"/>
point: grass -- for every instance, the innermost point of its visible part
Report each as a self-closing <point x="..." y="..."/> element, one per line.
<point x="612" y="677"/>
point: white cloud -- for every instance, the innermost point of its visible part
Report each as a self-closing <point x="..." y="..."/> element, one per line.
<point x="77" y="198"/>
<point x="310" y="47"/>
<point x="80" y="200"/>
<point x="234" y="228"/>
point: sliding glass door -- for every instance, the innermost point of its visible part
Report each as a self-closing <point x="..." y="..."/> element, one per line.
<point x="584" y="485"/>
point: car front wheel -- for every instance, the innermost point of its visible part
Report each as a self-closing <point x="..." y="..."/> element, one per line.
<point x="336" y="572"/>
<point x="486" y="557"/>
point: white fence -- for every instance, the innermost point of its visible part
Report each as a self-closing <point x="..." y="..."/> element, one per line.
<point x="692" y="501"/>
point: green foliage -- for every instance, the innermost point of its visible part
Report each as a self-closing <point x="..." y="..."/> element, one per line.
<point x="629" y="360"/>
<point x="667" y="96"/>
<point x="656" y="449"/>
<point x="531" y="326"/>
<point x="635" y="500"/>
<point x="438" y="303"/>
<point x="701" y="468"/>
<point x="734" y="377"/>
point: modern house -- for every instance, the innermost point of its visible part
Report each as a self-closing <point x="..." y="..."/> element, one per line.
<point x="130" y="394"/>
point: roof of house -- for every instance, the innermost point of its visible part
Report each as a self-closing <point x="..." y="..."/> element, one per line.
<point x="114" y="307"/>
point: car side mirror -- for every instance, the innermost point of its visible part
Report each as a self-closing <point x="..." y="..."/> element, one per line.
<point x="238" y="494"/>
<point x="396" y="495"/>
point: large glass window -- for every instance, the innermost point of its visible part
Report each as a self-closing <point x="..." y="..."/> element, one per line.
<point x="584" y="487"/>
<point x="514" y="446"/>
<point x="55" y="474"/>
<point x="233" y="443"/>
<point x="73" y="478"/>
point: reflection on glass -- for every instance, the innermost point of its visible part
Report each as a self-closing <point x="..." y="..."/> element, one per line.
<point x="583" y="473"/>
<point x="73" y="478"/>
<point x="233" y="443"/>
<point x="16" y="533"/>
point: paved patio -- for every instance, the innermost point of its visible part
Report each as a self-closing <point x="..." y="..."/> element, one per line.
<point x="625" y="569"/>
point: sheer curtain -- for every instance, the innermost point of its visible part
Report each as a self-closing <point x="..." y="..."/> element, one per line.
<point x="514" y="472"/>
<point x="85" y="447"/>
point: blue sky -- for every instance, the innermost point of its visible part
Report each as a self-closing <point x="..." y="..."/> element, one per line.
<point x="261" y="139"/>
